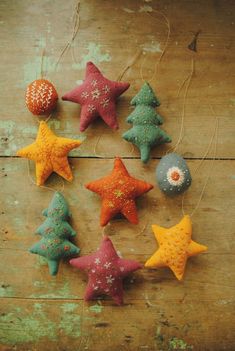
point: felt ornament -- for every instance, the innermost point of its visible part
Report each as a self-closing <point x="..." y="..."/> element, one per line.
<point x="118" y="191"/>
<point x="97" y="96"/>
<point x="50" y="154"/>
<point x="106" y="271"/>
<point x="145" y="132"/>
<point x="173" y="175"/>
<point x="41" y="97"/>
<point x="56" y="232"/>
<point x="175" y="246"/>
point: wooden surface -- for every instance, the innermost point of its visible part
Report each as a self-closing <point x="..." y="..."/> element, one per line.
<point x="39" y="312"/>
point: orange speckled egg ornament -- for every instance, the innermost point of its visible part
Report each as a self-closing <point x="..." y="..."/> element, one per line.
<point x="41" y="97"/>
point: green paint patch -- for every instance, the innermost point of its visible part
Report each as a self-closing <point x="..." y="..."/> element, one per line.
<point x="69" y="307"/>
<point x="70" y="322"/>
<point x="232" y="100"/>
<point x="17" y="328"/>
<point x="94" y="54"/>
<point x="6" y="290"/>
<point x="179" y="344"/>
<point x="52" y="290"/>
<point x="96" y="308"/>
<point x="32" y="69"/>
<point x="41" y="261"/>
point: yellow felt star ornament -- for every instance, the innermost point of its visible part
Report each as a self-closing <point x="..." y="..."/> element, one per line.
<point x="175" y="246"/>
<point x="50" y="154"/>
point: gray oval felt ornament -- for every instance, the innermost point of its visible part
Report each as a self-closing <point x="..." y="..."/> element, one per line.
<point x="173" y="175"/>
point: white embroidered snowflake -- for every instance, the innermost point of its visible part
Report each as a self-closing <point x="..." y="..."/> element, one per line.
<point x="106" y="89"/>
<point x="93" y="270"/>
<point x="122" y="269"/>
<point x="107" y="265"/>
<point x="110" y="279"/>
<point x="91" y="108"/>
<point x="95" y="94"/>
<point x="98" y="282"/>
<point x="105" y="102"/>
<point x="96" y="287"/>
<point x="84" y="94"/>
<point x="97" y="261"/>
<point x="94" y="82"/>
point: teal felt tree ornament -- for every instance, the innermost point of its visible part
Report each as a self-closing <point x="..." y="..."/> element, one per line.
<point x="145" y="132"/>
<point x="56" y="232"/>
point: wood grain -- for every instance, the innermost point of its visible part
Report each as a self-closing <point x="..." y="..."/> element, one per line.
<point x="39" y="312"/>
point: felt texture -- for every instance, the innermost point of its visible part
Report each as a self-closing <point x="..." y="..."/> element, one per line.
<point x="106" y="271"/>
<point x="118" y="191"/>
<point x="145" y="132"/>
<point x="41" y="97"/>
<point x="173" y="175"/>
<point x="50" y="154"/>
<point x="175" y="246"/>
<point x="56" y="232"/>
<point x="97" y="96"/>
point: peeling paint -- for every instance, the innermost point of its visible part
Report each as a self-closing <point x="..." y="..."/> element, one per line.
<point x="21" y="326"/>
<point x="41" y="261"/>
<point x="179" y="344"/>
<point x="128" y="10"/>
<point x="152" y="46"/>
<point x="53" y="290"/>
<point x="94" y="54"/>
<point x="145" y="8"/>
<point x="5" y="290"/>
<point x="96" y="308"/>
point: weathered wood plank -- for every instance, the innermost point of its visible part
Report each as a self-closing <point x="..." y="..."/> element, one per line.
<point x="212" y="83"/>
<point x="139" y="325"/>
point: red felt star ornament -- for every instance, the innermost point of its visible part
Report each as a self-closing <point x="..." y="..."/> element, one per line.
<point x="97" y="95"/>
<point x="106" y="271"/>
<point x="118" y="191"/>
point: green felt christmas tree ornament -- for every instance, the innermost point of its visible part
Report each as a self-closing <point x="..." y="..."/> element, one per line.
<point x="56" y="232"/>
<point x="145" y="132"/>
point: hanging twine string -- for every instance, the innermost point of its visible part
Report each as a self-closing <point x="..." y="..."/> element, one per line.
<point x="167" y="22"/>
<point x="41" y="68"/>
<point x="141" y="52"/>
<point x="131" y="63"/>
<point x="43" y="186"/>
<point x="76" y="24"/>
<point x="105" y="156"/>
<point x="215" y="138"/>
<point x="188" y="80"/>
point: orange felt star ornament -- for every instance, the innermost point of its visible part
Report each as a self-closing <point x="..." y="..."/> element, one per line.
<point x="118" y="191"/>
<point x="50" y="154"/>
<point x="175" y="246"/>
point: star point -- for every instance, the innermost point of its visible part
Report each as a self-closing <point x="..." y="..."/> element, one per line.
<point x="175" y="246"/>
<point x="97" y="96"/>
<point x="118" y="191"/>
<point x="50" y="153"/>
